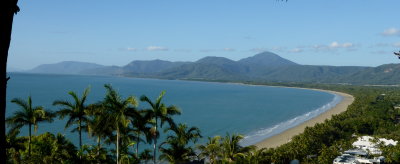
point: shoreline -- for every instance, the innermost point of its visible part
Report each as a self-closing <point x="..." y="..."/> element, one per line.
<point x="285" y="136"/>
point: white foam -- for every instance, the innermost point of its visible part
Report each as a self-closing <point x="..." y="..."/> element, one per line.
<point x="264" y="133"/>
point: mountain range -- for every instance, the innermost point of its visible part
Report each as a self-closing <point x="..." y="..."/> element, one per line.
<point x="262" y="67"/>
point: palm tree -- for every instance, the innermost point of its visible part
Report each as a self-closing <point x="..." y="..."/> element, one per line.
<point x="140" y="123"/>
<point x="157" y="111"/>
<point x="177" y="151"/>
<point x="76" y="111"/>
<point x="96" y="128"/>
<point x="256" y="156"/>
<point x="145" y="155"/>
<point x="212" y="149"/>
<point x="117" y="112"/>
<point x="28" y="115"/>
<point x="231" y="148"/>
<point x="13" y="145"/>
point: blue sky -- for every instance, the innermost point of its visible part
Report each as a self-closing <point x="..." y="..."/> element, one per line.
<point x="313" y="32"/>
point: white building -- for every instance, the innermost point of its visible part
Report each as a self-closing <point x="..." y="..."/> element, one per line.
<point x="357" y="156"/>
<point x="368" y="144"/>
<point x="365" y="145"/>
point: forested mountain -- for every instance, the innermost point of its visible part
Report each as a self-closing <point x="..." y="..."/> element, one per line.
<point x="388" y="74"/>
<point x="152" y="66"/>
<point x="262" y="67"/>
<point x="266" y="60"/>
<point x="66" y="67"/>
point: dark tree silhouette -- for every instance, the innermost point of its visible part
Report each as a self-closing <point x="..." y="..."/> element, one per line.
<point x="397" y="54"/>
<point x="7" y="10"/>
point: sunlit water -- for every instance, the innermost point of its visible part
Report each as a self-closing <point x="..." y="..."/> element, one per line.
<point x="257" y="112"/>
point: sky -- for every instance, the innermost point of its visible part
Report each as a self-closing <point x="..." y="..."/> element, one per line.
<point x="312" y="32"/>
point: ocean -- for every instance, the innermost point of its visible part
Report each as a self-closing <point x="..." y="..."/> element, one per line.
<point x="257" y="112"/>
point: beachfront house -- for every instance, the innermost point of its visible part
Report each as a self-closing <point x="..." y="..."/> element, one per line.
<point x="357" y="156"/>
<point x="371" y="145"/>
<point x="364" y="147"/>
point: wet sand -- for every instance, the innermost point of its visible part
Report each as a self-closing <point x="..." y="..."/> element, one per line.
<point x="287" y="135"/>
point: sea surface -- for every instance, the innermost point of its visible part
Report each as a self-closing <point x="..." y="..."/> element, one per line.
<point x="257" y="112"/>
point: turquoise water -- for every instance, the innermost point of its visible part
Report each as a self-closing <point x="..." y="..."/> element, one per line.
<point x="216" y="108"/>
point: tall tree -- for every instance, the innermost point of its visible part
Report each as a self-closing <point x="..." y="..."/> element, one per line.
<point x="76" y="111"/>
<point x="7" y="10"/>
<point x="158" y="110"/>
<point x="140" y="123"/>
<point x="177" y="150"/>
<point x="117" y="113"/>
<point x="231" y="148"/>
<point x="212" y="149"/>
<point x="28" y="115"/>
<point x="14" y="145"/>
<point x="96" y="128"/>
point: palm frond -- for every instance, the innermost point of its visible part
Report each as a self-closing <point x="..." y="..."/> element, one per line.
<point x="75" y="97"/>
<point x="85" y="94"/>
<point x="64" y="103"/>
<point x="146" y="99"/>
<point x="159" y="98"/>
<point x="20" y="102"/>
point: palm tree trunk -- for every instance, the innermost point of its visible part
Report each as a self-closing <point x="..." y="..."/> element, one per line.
<point x="137" y="144"/>
<point x="154" y="147"/>
<point x="117" y="145"/>
<point x="155" y="144"/>
<point x="30" y="139"/>
<point x="7" y="10"/>
<point x="98" y="149"/>
<point x="80" y="140"/>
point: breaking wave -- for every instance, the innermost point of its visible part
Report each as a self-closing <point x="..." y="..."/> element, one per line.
<point x="261" y="134"/>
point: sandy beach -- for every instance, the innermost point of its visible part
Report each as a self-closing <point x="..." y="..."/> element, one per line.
<point x="286" y="136"/>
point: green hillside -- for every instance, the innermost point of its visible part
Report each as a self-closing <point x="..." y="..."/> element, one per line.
<point x="262" y="67"/>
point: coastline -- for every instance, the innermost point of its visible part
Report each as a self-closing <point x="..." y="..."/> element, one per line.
<point x="287" y="135"/>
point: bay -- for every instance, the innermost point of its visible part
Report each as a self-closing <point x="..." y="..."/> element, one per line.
<point x="257" y="112"/>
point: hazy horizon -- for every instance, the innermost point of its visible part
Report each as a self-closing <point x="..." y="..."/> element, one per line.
<point x="337" y="33"/>
<point x="15" y="69"/>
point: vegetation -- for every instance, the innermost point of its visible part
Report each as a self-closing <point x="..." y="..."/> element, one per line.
<point x="372" y="113"/>
<point x="119" y="121"/>
<point x="159" y="111"/>
<point x="77" y="112"/>
<point x="28" y="115"/>
<point x="178" y="150"/>
<point x="262" y="67"/>
<point x="116" y="114"/>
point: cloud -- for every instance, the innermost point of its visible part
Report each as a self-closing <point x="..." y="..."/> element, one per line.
<point x="296" y="50"/>
<point x="156" y="48"/>
<point x="229" y="49"/>
<point x="208" y="50"/>
<point x="396" y="44"/>
<point x="131" y="49"/>
<point x="257" y="50"/>
<point x="320" y="47"/>
<point x="391" y="32"/>
<point x="335" y="46"/>
<point x="279" y="49"/>
<point x="347" y="45"/>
